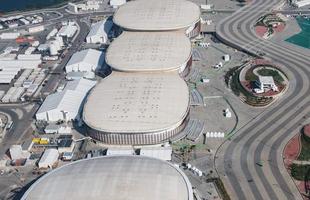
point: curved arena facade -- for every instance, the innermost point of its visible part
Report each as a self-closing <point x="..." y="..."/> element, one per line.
<point x="150" y="52"/>
<point x="159" y="15"/>
<point x="113" y="178"/>
<point x="137" y="108"/>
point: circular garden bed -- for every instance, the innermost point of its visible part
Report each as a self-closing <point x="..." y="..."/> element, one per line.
<point x="243" y="80"/>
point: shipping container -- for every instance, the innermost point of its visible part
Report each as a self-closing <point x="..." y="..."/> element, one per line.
<point x="36" y="29"/>
<point x="30" y="50"/>
<point x="9" y="36"/>
<point x="29" y="57"/>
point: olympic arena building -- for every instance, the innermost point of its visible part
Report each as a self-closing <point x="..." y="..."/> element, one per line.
<point x="159" y="15"/>
<point x="150" y="52"/>
<point x="113" y="178"/>
<point x="137" y="108"/>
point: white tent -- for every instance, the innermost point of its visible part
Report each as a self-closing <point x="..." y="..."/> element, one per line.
<point x="117" y="3"/>
<point x="86" y="61"/>
<point x="65" y="105"/>
<point x="16" y="152"/>
<point x="49" y="158"/>
<point x="99" y="32"/>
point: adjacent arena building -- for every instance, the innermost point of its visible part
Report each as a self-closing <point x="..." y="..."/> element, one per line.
<point x="113" y="178"/>
<point x="159" y="15"/>
<point x="137" y="108"/>
<point x="150" y="51"/>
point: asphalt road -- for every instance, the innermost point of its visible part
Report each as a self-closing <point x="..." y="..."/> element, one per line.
<point x="21" y="124"/>
<point x="265" y="136"/>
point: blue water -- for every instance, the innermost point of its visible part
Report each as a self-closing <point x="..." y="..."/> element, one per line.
<point x="18" y="5"/>
<point x="303" y="38"/>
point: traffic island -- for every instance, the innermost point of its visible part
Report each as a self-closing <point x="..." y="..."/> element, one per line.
<point x="258" y="82"/>
<point x="297" y="160"/>
<point x="269" y="24"/>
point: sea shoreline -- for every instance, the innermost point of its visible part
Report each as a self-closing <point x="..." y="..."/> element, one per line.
<point x="28" y="8"/>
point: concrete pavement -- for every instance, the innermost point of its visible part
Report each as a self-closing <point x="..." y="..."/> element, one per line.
<point x="264" y="138"/>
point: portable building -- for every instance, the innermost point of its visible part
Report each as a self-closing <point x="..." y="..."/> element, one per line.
<point x="99" y="32"/>
<point x="65" y="105"/>
<point x="117" y="3"/>
<point x="36" y="29"/>
<point x="49" y="158"/>
<point x="86" y="61"/>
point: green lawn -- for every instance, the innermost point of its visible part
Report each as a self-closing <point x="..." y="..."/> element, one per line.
<point x="250" y="76"/>
<point x="250" y="99"/>
<point x="299" y="172"/>
<point x="305" y="149"/>
<point x="269" y="72"/>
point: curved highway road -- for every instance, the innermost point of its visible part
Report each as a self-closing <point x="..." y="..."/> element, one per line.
<point x="265" y="136"/>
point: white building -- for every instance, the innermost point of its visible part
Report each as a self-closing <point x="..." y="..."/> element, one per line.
<point x="117" y="3"/>
<point x="24" y="21"/>
<point x="20" y="63"/>
<point x="16" y="152"/>
<point x="300" y="3"/>
<point x="52" y="34"/>
<point x="8" y="74"/>
<point x="36" y="29"/>
<point x="65" y="105"/>
<point x="9" y="36"/>
<point x="49" y="158"/>
<point x="86" y="61"/>
<point x="226" y="57"/>
<point x="72" y="7"/>
<point x="266" y="83"/>
<point x="68" y="30"/>
<point x="89" y="5"/>
<point x="99" y="32"/>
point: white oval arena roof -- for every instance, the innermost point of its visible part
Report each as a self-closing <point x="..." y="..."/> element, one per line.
<point x="149" y="51"/>
<point x="157" y="15"/>
<point x="137" y="103"/>
<point x="113" y="178"/>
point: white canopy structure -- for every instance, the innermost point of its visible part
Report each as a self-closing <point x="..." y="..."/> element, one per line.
<point x="65" y="105"/>
<point x="86" y="61"/>
<point x="49" y="158"/>
<point x="99" y="32"/>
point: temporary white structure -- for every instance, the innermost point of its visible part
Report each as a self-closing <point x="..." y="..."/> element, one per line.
<point x="116" y="3"/>
<point x="300" y="3"/>
<point x="49" y="158"/>
<point x="99" y="32"/>
<point x="16" y="152"/>
<point x="67" y="30"/>
<point x="65" y="105"/>
<point x="86" y="61"/>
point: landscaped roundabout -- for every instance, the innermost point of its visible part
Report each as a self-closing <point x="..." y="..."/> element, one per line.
<point x="257" y="83"/>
